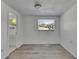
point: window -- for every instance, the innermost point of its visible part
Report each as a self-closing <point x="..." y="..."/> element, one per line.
<point x="46" y="24"/>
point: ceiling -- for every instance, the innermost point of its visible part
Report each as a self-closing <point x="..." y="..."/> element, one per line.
<point x="49" y="7"/>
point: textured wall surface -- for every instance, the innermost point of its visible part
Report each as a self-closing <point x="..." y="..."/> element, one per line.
<point x="33" y="36"/>
<point x="68" y="29"/>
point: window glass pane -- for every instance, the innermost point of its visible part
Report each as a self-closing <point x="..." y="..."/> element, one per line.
<point x="12" y="22"/>
<point x="46" y="24"/>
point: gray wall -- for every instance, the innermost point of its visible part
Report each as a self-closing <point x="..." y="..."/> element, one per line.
<point x="33" y="36"/>
<point x="69" y="30"/>
<point x="5" y="49"/>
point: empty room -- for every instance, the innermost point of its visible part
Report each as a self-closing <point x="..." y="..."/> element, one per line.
<point x="39" y="29"/>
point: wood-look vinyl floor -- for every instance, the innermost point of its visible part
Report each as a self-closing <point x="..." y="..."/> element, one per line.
<point x="40" y="51"/>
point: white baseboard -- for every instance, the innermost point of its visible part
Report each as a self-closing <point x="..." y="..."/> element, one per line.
<point x="12" y="49"/>
<point x="68" y="50"/>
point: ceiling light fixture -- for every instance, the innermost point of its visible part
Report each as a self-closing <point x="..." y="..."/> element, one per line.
<point x="37" y="5"/>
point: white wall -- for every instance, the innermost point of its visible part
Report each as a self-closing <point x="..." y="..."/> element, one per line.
<point x="5" y="50"/>
<point x="33" y="36"/>
<point x="69" y="30"/>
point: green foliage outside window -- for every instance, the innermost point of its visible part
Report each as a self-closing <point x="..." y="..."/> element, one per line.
<point x="12" y="21"/>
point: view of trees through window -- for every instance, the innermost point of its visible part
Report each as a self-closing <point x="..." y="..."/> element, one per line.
<point x="46" y="24"/>
<point x="12" y="21"/>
